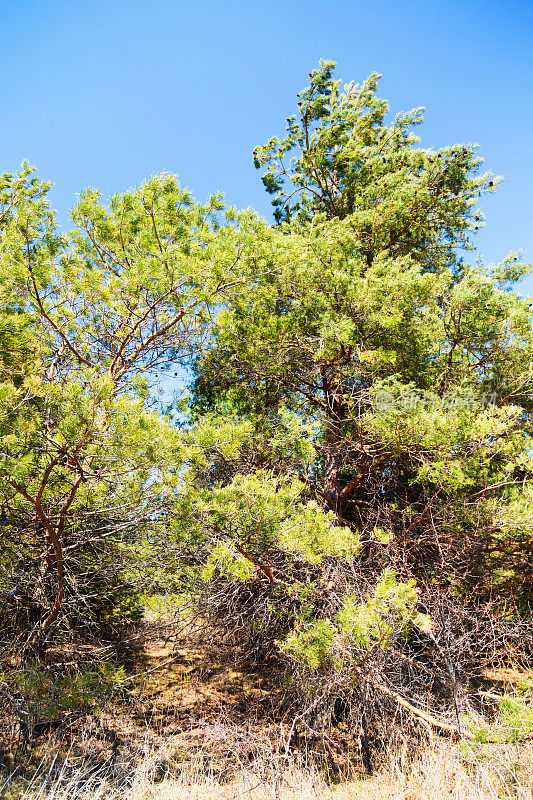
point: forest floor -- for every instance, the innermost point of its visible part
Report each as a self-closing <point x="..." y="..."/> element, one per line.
<point x="181" y="690"/>
<point x="188" y="725"/>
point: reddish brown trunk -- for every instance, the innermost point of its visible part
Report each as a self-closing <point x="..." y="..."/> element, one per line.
<point x="336" y="413"/>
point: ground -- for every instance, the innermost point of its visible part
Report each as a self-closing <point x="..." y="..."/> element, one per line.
<point x="188" y="725"/>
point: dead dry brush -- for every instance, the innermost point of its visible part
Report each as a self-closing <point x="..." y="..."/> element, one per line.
<point x="363" y="702"/>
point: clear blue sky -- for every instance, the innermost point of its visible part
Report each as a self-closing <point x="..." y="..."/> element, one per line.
<point x="107" y="92"/>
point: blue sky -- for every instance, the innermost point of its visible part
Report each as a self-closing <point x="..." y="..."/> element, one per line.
<point x="105" y="93"/>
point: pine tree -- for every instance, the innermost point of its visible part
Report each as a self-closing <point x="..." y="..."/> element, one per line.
<point x="363" y="320"/>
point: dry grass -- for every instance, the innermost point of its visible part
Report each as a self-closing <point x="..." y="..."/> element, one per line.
<point x="445" y="770"/>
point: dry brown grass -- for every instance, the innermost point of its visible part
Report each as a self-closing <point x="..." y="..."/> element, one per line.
<point x="444" y="770"/>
